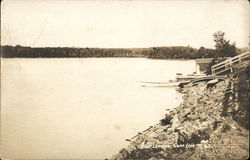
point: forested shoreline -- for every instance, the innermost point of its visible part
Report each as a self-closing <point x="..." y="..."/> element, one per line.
<point x="174" y="52"/>
<point x="223" y="48"/>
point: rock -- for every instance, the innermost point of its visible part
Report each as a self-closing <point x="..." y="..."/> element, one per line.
<point x="175" y="122"/>
<point x="203" y="116"/>
<point x="184" y="135"/>
<point x="186" y="112"/>
<point x="236" y="107"/>
<point x="192" y="116"/>
<point x="199" y="119"/>
<point x="153" y="158"/>
<point x="204" y="124"/>
<point x="204" y="141"/>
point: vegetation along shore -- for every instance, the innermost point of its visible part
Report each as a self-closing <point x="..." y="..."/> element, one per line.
<point x="174" y="52"/>
<point x="223" y="48"/>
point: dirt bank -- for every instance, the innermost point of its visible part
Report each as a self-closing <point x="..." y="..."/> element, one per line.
<point x="211" y="123"/>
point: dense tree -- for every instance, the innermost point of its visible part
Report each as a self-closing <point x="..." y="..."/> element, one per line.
<point x="223" y="46"/>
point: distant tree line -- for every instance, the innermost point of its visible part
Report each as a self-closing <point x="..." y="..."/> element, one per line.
<point x="223" y="48"/>
<point x="50" y="52"/>
<point x="176" y="52"/>
<point x="181" y="52"/>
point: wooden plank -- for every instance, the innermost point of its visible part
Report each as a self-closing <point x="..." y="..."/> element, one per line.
<point x="241" y="56"/>
<point x="227" y="64"/>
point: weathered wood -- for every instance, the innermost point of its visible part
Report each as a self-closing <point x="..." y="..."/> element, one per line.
<point x="180" y="78"/>
<point x="229" y="63"/>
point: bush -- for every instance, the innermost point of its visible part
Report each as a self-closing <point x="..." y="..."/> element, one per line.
<point x="166" y="120"/>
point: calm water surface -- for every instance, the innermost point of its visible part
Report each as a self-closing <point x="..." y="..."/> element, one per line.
<point x="81" y="108"/>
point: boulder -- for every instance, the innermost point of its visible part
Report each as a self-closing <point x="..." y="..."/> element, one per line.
<point x="175" y="122"/>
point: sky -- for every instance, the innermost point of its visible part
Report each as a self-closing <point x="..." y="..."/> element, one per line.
<point x="123" y="24"/>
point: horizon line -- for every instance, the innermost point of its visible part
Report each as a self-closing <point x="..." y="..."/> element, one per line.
<point x="114" y="47"/>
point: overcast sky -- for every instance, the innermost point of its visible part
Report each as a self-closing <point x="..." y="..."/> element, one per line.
<point x="123" y="23"/>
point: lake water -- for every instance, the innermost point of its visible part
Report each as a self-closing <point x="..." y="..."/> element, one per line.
<point x="81" y="108"/>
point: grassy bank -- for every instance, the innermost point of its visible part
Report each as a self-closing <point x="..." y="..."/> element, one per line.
<point x="211" y="123"/>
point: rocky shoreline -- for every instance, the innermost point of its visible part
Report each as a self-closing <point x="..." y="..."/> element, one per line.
<point x="210" y="123"/>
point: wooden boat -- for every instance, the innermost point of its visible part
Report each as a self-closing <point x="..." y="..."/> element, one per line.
<point x="160" y="84"/>
<point x="189" y="77"/>
<point x="212" y="79"/>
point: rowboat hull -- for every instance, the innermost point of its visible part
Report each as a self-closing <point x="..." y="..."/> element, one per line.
<point x="160" y="84"/>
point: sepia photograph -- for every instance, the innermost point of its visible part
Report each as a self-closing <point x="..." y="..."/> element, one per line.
<point x="125" y="80"/>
